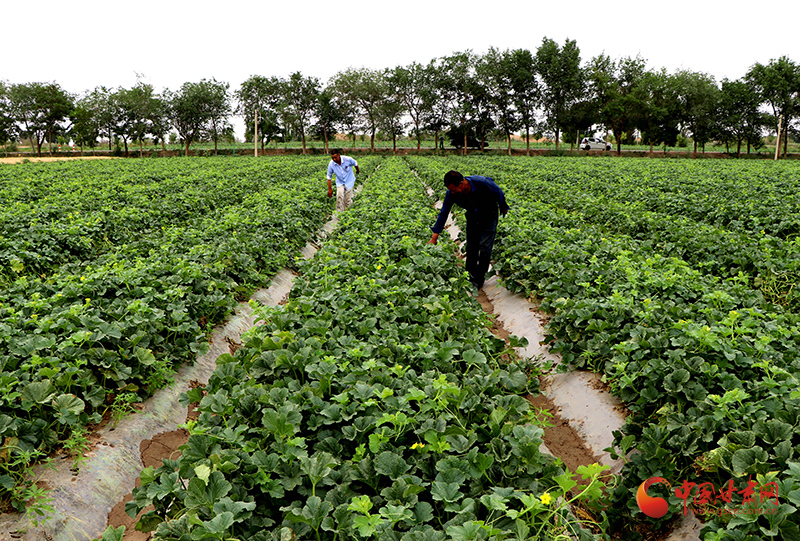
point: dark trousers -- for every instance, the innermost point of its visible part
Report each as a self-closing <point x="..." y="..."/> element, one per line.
<point x="480" y="241"/>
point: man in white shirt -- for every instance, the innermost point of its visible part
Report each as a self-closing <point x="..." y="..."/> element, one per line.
<point x="342" y="167"/>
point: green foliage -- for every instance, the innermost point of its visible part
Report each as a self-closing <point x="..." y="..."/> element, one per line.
<point x="663" y="277"/>
<point x="112" y="273"/>
<point x="374" y="404"/>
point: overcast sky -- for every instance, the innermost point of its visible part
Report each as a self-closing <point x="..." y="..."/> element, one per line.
<point x="83" y="44"/>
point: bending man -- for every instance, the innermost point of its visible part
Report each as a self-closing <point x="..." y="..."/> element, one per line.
<point x="342" y="167"/>
<point x="482" y="199"/>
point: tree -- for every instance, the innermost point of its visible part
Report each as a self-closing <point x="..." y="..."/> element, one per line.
<point x="699" y="95"/>
<point x="159" y="119"/>
<point x="219" y="109"/>
<point x="659" y="111"/>
<point x="133" y="111"/>
<point x="442" y="97"/>
<point x="525" y="90"/>
<point x="100" y="103"/>
<point x="778" y="84"/>
<point x="347" y="109"/>
<point x="390" y="113"/>
<point x="328" y="113"/>
<point x="562" y="80"/>
<point x="200" y="110"/>
<point x="300" y="100"/>
<point x="365" y="89"/>
<point x="85" y="123"/>
<point x="8" y="128"/>
<point x="258" y="97"/>
<point x="465" y="94"/>
<point x="414" y="87"/>
<point x="738" y="119"/>
<point x="496" y="68"/>
<point x="38" y="109"/>
<point x="615" y="86"/>
<point x="579" y="119"/>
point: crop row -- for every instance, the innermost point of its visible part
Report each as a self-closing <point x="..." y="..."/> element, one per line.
<point x="573" y="197"/>
<point x="706" y="365"/>
<point x="375" y="403"/>
<point x="113" y="272"/>
<point x="752" y="198"/>
<point x="771" y="263"/>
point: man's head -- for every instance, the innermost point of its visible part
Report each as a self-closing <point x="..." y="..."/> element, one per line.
<point x="456" y="183"/>
<point x="336" y="156"/>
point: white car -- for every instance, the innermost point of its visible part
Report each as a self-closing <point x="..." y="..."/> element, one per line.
<point x="592" y="143"/>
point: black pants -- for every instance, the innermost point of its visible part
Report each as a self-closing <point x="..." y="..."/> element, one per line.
<point x="480" y="241"/>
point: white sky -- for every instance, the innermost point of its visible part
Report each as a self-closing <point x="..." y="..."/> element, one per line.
<point x="87" y="43"/>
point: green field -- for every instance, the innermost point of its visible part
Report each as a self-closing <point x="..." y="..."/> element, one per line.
<point x="376" y="403"/>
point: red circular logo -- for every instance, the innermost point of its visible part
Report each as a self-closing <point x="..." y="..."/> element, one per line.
<point x="652" y="507"/>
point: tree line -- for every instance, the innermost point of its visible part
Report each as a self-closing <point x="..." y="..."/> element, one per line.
<point x="466" y="96"/>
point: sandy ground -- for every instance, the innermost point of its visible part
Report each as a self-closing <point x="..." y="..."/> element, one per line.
<point x="21" y="159"/>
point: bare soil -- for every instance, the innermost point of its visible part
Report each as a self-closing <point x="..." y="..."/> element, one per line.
<point x="21" y="159"/>
<point x="560" y="438"/>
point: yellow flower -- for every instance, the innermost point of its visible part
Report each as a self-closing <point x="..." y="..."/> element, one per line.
<point x="418" y="446"/>
<point x="546" y="498"/>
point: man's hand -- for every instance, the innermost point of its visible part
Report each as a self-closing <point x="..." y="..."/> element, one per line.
<point x="330" y="192"/>
<point x="357" y="170"/>
<point x="434" y="238"/>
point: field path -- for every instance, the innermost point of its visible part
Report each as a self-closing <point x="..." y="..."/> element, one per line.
<point x="582" y="411"/>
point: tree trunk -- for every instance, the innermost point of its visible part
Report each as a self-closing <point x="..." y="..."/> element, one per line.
<point x="528" y="140"/>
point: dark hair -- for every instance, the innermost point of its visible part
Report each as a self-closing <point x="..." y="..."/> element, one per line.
<point x="453" y="178"/>
<point x="336" y="151"/>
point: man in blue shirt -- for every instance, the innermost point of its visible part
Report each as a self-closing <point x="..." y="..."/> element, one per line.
<point x="481" y="198"/>
<point x="342" y="167"/>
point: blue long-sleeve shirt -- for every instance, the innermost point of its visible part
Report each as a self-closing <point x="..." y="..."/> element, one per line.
<point x="481" y="202"/>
